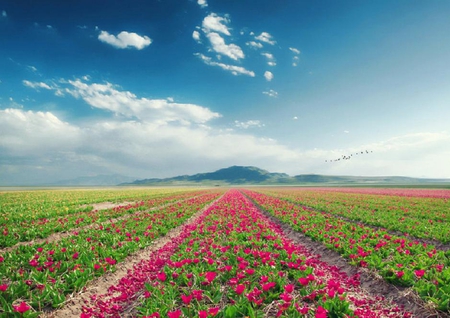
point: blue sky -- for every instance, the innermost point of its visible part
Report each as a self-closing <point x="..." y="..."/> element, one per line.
<point x="163" y="88"/>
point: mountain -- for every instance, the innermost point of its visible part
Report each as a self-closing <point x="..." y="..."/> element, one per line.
<point x="240" y="175"/>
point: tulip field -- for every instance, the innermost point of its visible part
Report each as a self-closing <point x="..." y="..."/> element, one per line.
<point x="216" y="252"/>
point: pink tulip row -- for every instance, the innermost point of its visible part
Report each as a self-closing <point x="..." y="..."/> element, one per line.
<point x="235" y="262"/>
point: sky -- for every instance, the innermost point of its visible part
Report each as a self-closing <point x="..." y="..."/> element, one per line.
<point x="160" y="88"/>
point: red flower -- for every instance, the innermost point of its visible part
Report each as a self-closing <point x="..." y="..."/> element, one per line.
<point x="23" y="307"/>
<point x="400" y="274"/>
<point x="97" y="266"/>
<point x="202" y="314"/>
<point x="3" y="287"/>
<point x="75" y="255"/>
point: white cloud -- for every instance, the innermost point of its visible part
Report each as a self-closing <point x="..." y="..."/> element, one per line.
<point x="202" y="3"/>
<point x="124" y="103"/>
<point x="235" y="70"/>
<point x="125" y="39"/>
<point x="248" y="124"/>
<point x="270" y="59"/>
<point x="213" y="22"/>
<point x="196" y="36"/>
<point x="4" y="14"/>
<point x="24" y="132"/>
<point x="36" y="85"/>
<point x="271" y="93"/>
<point x="293" y="49"/>
<point x="218" y="45"/>
<point x="255" y="45"/>
<point x="268" y="75"/>
<point x="266" y="38"/>
<point x="295" y="118"/>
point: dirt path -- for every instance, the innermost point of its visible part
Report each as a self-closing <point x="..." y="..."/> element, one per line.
<point x="100" y="286"/>
<point x="372" y="283"/>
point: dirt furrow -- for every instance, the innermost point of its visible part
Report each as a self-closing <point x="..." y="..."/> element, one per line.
<point x="370" y="281"/>
<point x="100" y="285"/>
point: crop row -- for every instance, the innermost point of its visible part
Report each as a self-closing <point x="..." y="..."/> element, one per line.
<point x="41" y="275"/>
<point x="26" y="230"/>
<point x="397" y="192"/>
<point x="34" y="205"/>
<point x="234" y="262"/>
<point x="397" y="259"/>
<point x="427" y="218"/>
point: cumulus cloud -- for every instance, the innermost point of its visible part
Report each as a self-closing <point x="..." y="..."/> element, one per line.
<point x="218" y="45"/>
<point x="271" y="93"/>
<point x="202" y="3"/>
<point x="235" y="70"/>
<point x="293" y="49"/>
<point x="248" y="124"/>
<point x="36" y="85"/>
<point x="215" y="23"/>
<point x="268" y="75"/>
<point x="124" y="103"/>
<point x="125" y="40"/>
<point x="266" y="38"/>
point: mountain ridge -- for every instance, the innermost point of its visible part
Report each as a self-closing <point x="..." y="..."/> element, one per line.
<point x="241" y="175"/>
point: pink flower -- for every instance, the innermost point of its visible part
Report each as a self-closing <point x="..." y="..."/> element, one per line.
<point x="186" y="299"/>
<point x="97" y="266"/>
<point x="400" y="274"/>
<point x="268" y="286"/>
<point x="303" y="281"/>
<point x="174" y="314"/>
<point x="75" y="255"/>
<point x="161" y="276"/>
<point x="202" y="314"/>
<point x="419" y="273"/>
<point x="289" y="288"/>
<point x="209" y="276"/>
<point x="239" y="289"/>
<point x="23" y="307"/>
<point x="321" y="312"/>
<point x="3" y="287"/>
<point x="213" y="311"/>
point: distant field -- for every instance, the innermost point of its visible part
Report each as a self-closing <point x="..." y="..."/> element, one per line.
<point x="204" y="252"/>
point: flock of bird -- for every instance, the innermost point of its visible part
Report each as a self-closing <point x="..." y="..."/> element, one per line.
<point x="348" y="157"/>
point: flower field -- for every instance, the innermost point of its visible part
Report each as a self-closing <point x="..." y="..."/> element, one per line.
<point x="224" y="253"/>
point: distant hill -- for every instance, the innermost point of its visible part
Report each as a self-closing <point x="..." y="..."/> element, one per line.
<point x="248" y="175"/>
